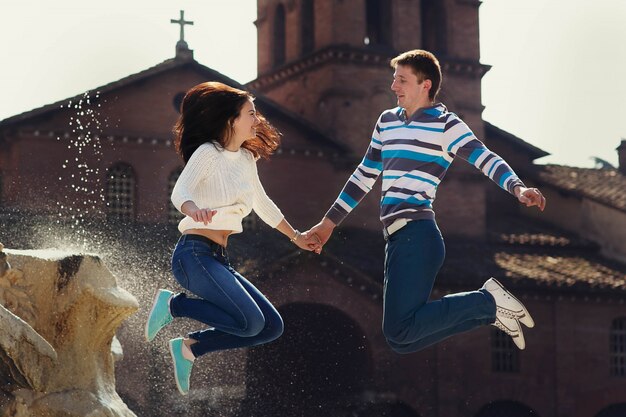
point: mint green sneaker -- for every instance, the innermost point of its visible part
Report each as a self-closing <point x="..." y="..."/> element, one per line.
<point x="182" y="365"/>
<point x="159" y="316"/>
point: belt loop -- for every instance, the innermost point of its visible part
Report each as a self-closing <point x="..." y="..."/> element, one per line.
<point x="183" y="239"/>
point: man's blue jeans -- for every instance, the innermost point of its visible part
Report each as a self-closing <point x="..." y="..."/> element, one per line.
<point x="239" y="313"/>
<point x="413" y="257"/>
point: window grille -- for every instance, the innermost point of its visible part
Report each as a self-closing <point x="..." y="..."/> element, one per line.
<point x="504" y="353"/>
<point x="618" y="347"/>
<point x="120" y="192"/>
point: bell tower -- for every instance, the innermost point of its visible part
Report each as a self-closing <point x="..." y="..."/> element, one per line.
<point x="328" y="60"/>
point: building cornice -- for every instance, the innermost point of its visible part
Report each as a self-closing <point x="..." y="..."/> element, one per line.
<point x="333" y="54"/>
<point x="102" y="137"/>
<point x="327" y="153"/>
<point x="349" y="55"/>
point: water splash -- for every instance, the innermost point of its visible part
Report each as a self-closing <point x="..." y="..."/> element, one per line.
<point x="84" y="193"/>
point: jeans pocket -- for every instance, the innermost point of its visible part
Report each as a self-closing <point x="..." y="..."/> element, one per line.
<point x="179" y="273"/>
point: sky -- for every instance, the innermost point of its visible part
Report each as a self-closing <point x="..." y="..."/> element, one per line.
<point x="557" y="65"/>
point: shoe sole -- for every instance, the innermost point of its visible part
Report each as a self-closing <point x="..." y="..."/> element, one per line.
<point x="526" y="312"/>
<point x="146" y="329"/>
<point x="175" y="369"/>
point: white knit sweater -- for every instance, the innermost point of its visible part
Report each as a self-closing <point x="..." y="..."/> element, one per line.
<point x="225" y="181"/>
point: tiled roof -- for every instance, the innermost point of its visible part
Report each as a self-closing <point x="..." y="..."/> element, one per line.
<point x="607" y="186"/>
<point x="570" y="270"/>
<point x="522" y="232"/>
<point x="563" y="271"/>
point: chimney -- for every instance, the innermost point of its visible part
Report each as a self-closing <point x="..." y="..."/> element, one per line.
<point x="621" y="155"/>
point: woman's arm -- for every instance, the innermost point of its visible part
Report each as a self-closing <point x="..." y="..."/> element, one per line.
<point x="271" y="214"/>
<point x="204" y="215"/>
<point x="196" y="168"/>
<point x="306" y="243"/>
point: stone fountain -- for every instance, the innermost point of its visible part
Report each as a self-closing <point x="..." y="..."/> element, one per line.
<point x="59" y="313"/>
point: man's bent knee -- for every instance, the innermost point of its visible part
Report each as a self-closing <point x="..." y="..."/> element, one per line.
<point x="395" y="333"/>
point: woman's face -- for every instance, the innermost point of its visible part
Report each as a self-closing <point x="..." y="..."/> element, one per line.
<point x="244" y="126"/>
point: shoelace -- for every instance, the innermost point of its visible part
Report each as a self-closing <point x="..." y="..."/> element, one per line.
<point x="508" y="313"/>
<point x="505" y="329"/>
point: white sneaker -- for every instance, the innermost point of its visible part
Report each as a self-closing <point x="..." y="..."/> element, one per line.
<point x="508" y="306"/>
<point x="513" y="329"/>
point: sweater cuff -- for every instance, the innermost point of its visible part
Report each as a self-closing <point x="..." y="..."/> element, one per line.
<point x="514" y="184"/>
<point x="336" y="214"/>
<point x="178" y="200"/>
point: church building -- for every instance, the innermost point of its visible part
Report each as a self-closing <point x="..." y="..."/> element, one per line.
<point x="323" y="79"/>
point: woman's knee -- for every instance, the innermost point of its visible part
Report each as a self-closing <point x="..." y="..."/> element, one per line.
<point x="255" y="323"/>
<point x="274" y="328"/>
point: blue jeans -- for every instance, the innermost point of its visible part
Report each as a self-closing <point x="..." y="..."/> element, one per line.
<point x="413" y="257"/>
<point x="239" y="313"/>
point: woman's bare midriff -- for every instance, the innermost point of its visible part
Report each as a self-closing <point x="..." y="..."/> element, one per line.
<point x="218" y="236"/>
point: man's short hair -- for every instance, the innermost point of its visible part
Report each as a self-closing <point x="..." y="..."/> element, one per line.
<point x="425" y="66"/>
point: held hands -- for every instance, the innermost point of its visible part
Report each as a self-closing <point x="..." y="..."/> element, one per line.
<point x="309" y="243"/>
<point x="321" y="232"/>
<point x="530" y="197"/>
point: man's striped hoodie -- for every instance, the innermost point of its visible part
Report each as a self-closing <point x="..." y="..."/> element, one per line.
<point x="413" y="154"/>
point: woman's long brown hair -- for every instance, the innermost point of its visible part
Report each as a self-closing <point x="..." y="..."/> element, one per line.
<point x="206" y="115"/>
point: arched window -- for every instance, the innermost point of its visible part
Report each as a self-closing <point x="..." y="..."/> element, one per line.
<point x="504" y="354"/>
<point x="279" y="35"/>
<point x="177" y="101"/>
<point x="378" y="23"/>
<point x="434" y="26"/>
<point x="618" y="347"/>
<point x="173" y="215"/>
<point x="307" y="25"/>
<point x="120" y="192"/>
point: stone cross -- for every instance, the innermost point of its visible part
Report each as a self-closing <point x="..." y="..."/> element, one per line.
<point x="182" y="22"/>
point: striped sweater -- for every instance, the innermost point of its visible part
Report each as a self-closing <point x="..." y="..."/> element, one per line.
<point x="413" y="156"/>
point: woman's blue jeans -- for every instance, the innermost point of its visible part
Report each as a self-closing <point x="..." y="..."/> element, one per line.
<point x="239" y="314"/>
<point x="413" y="257"/>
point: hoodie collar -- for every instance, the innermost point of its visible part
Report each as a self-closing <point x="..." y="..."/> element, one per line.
<point x="435" y="110"/>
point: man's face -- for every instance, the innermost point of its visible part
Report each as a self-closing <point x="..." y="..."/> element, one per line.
<point x="408" y="90"/>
